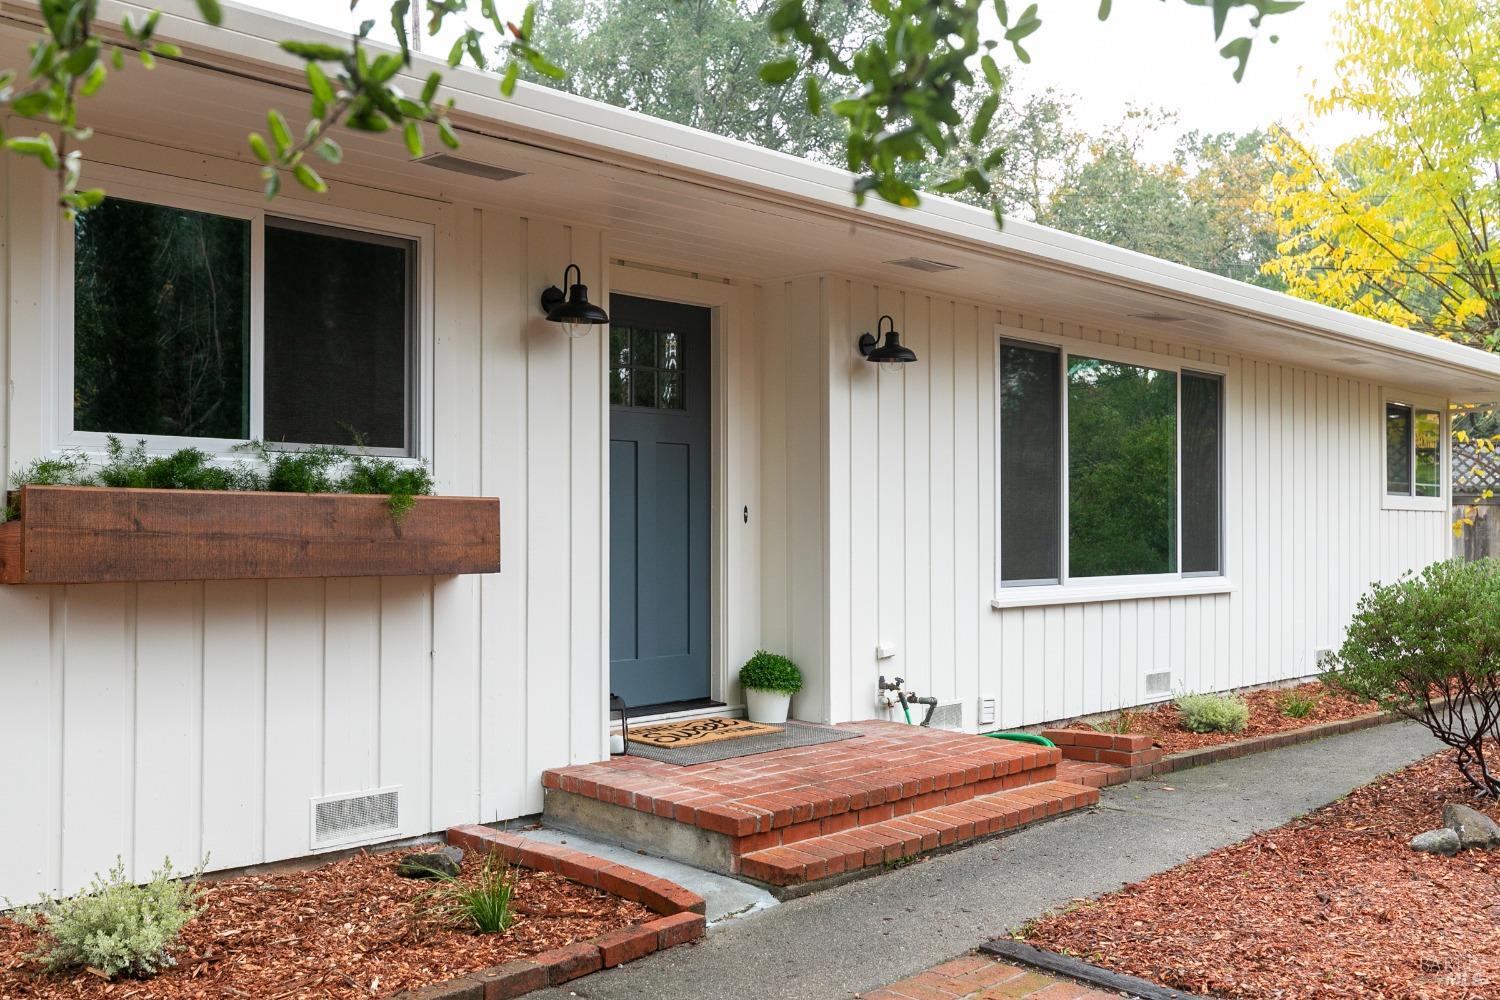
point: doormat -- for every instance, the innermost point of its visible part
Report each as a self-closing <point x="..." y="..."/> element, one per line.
<point x="696" y="732"/>
<point x="795" y="734"/>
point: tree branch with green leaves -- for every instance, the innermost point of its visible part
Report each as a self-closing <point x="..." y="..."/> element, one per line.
<point x="902" y="100"/>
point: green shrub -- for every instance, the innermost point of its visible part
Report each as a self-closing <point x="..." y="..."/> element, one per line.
<point x="1428" y="647"/>
<point x="323" y="469"/>
<point x="770" y="672"/>
<point x="1297" y="705"/>
<point x="400" y="483"/>
<point x="116" y="926"/>
<point x="1213" y="713"/>
<point x="482" y="906"/>
<point x="71" y="468"/>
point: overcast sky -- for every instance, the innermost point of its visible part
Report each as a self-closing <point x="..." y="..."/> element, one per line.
<point x="1151" y="53"/>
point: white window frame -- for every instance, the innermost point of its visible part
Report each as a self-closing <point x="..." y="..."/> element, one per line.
<point x="1009" y="594"/>
<point x="1416" y="401"/>
<point x="173" y="192"/>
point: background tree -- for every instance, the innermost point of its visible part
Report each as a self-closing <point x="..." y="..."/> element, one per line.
<point x="1402" y="224"/>
<point x="694" y="62"/>
<point x="1202" y="208"/>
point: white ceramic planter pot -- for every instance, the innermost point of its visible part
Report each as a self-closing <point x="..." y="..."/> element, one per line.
<point x="769" y="707"/>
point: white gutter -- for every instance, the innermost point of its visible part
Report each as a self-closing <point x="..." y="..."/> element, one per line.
<point x="613" y="135"/>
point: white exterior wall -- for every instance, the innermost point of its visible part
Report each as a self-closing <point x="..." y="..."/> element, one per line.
<point x="193" y="719"/>
<point x="911" y="459"/>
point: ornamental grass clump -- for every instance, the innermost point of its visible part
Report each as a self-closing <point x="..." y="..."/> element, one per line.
<point x="770" y="672"/>
<point x="1296" y="705"/>
<point x="1213" y="713"/>
<point x="1428" y="647"/>
<point x="115" y="926"/>
<point x="482" y="906"/>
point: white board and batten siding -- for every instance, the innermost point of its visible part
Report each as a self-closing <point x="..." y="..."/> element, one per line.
<point x="910" y="458"/>
<point x="186" y="719"/>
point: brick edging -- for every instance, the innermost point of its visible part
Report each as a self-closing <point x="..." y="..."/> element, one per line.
<point x="680" y="919"/>
<point x="1272" y="741"/>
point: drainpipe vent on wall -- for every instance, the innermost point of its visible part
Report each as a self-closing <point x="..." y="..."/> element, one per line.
<point x="1159" y="683"/>
<point x="356" y="817"/>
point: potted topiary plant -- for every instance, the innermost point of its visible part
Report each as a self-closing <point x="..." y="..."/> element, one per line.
<point x="769" y="680"/>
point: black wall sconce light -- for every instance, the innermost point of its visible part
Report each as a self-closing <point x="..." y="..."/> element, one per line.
<point x="889" y="355"/>
<point x="573" y="310"/>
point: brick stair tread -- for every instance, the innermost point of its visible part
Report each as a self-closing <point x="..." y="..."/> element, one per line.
<point x="782" y="789"/>
<point x="913" y="834"/>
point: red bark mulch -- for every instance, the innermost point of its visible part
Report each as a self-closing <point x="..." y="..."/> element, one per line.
<point x="1329" y="907"/>
<point x="1163" y="723"/>
<point x="346" y="929"/>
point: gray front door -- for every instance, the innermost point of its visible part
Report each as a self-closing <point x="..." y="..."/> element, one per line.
<point x="659" y="501"/>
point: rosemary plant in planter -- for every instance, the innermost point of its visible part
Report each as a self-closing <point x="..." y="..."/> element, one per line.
<point x="769" y="681"/>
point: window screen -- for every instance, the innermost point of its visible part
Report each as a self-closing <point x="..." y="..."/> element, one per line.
<point x="338" y="335"/>
<point x="1398" y="457"/>
<point x="1030" y="463"/>
<point x="161" y="304"/>
<point x="1122" y="469"/>
<point x="1202" y="472"/>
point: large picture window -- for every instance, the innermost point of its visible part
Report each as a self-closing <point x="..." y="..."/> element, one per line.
<point x="1108" y="469"/>
<point x="198" y="326"/>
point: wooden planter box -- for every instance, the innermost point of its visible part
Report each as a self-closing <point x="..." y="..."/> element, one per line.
<point x="79" y="534"/>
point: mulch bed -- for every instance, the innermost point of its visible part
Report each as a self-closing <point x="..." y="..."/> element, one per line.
<point x="1328" y="907"/>
<point x="346" y="929"/>
<point x="1164" y="723"/>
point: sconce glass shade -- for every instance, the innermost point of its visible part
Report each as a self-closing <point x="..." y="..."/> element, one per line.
<point x="574" y="310"/>
<point x="890" y="355"/>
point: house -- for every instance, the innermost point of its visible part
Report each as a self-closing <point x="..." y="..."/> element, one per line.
<point x="1105" y="478"/>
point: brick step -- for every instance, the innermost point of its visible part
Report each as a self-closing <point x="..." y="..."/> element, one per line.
<point x="920" y="832"/>
<point x="806" y="792"/>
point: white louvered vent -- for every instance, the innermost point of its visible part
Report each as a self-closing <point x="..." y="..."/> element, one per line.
<point x="356" y="817"/>
<point x="1159" y="683"/>
<point x="948" y="715"/>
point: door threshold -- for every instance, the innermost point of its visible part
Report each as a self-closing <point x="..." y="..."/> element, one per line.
<point x="701" y="712"/>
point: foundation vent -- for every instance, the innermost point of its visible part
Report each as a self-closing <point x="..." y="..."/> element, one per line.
<point x="1159" y="683"/>
<point x="947" y="715"/>
<point x="356" y="817"/>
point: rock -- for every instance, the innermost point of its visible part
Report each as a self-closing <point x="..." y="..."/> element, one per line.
<point x="1473" y="827"/>
<point x="445" y="862"/>
<point x="1442" y="841"/>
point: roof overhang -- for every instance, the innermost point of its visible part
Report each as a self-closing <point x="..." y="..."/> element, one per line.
<point x="676" y="196"/>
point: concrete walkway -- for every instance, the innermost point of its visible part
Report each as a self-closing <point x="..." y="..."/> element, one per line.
<point x="860" y="936"/>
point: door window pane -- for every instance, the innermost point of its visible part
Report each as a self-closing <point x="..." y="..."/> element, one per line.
<point x="1030" y="463"/>
<point x="1202" y="476"/>
<point x="161" y="301"/>
<point x="1398" y="437"/>
<point x="1427" y="438"/>
<point x="338" y="317"/>
<point x="646" y="368"/>
<point x="1122" y="462"/>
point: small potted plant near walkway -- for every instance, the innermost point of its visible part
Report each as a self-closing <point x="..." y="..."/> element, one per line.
<point x="769" y="681"/>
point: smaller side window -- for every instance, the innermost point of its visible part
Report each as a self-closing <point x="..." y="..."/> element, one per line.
<point x="1413" y="451"/>
<point x="1398" y="449"/>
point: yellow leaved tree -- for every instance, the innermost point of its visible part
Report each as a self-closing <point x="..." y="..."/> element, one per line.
<point x="1403" y="223"/>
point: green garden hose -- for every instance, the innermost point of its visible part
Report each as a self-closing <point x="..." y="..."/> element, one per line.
<point x="1040" y="741"/>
